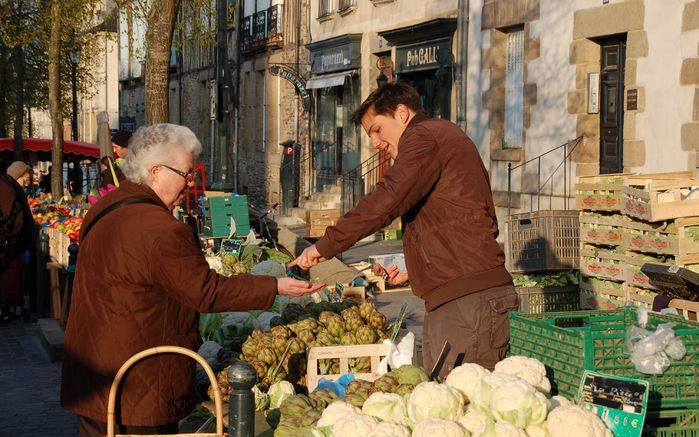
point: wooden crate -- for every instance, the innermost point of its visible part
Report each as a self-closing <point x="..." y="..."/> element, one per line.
<point x="687" y="309"/>
<point x="601" y="262"/>
<point x="600" y="193"/>
<point x="375" y="351"/>
<point x="601" y="230"/>
<point x="663" y="238"/>
<point x="319" y="219"/>
<point x="640" y="296"/>
<point x="58" y="246"/>
<point x="661" y="197"/>
<point x="593" y="296"/>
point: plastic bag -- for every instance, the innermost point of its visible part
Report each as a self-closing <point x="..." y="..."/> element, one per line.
<point x="399" y="354"/>
<point x="649" y="350"/>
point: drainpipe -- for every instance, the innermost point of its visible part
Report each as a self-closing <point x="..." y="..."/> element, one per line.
<point x="461" y="79"/>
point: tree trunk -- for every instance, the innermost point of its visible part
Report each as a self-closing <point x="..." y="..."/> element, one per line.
<point x="161" y="24"/>
<point x="55" y="101"/>
<point x="5" y="74"/>
<point x="18" y="60"/>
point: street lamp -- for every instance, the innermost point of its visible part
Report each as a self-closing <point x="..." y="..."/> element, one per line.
<point x="73" y="60"/>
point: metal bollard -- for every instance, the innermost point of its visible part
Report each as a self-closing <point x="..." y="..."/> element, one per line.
<point x="42" y="280"/>
<point x="241" y="414"/>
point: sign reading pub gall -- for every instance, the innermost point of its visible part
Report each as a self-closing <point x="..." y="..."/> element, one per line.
<point x="423" y="56"/>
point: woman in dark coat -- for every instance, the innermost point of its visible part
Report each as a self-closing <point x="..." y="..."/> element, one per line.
<point x="141" y="281"/>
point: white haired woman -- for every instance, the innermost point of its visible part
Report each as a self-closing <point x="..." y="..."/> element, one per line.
<point x="141" y="281"/>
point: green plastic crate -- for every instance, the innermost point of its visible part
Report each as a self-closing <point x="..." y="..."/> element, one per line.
<point x="672" y="423"/>
<point x="570" y="342"/>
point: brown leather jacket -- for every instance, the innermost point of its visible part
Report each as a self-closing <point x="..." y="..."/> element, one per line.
<point x="439" y="186"/>
<point x="141" y="281"/>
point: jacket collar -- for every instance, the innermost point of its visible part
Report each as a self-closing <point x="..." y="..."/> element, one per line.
<point x="131" y="189"/>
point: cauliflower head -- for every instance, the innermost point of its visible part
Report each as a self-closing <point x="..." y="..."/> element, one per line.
<point x="439" y="427"/>
<point x="482" y="393"/>
<point x="278" y="392"/>
<point x="574" y="421"/>
<point x="475" y="422"/>
<point x="353" y="426"/>
<point x="539" y="430"/>
<point x="466" y="378"/>
<point x="385" y="406"/>
<point x="431" y="400"/>
<point x="518" y="403"/>
<point x="557" y="401"/>
<point x="530" y="369"/>
<point x="389" y="429"/>
<point x="336" y="411"/>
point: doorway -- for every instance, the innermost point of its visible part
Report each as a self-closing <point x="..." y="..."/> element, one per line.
<point x="613" y="59"/>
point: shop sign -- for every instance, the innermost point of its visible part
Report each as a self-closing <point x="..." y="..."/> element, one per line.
<point x="332" y="59"/>
<point x="293" y="77"/>
<point x="423" y="56"/>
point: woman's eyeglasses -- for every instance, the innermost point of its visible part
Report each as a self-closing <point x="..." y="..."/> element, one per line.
<point x="189" y="177"/>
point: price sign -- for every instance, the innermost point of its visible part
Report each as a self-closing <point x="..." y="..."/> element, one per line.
<point x="620" y="402"/>
<point x="231" y="246"/>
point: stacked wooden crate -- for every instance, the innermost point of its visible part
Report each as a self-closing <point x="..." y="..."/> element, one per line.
<point x="652" y="221"/>
<point x="319" y="219"/>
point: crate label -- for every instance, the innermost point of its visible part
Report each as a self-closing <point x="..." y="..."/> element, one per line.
<point x="619" y="401"/>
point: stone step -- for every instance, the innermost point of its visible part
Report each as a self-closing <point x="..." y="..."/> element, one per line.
<point x="51" y="335"/>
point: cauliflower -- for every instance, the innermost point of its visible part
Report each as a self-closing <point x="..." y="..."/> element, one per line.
<point x="480" y="425"/>
<point x="336" y="411"/>
<point x="557" y="401"/>
<point x="465" y="378"/>
<point x="539" y="430"/>
<point x="355" y="425"/>
<point x="585" y="423"/>
<point x="269" y="267"/>
<point x="389" y="429"/>
<point x="475" y="421"/>
<point x="386" y="406"/>
<point x="431" y="400"/>
<point x="518" y="403"/>
<point x="481" y="394"/>
<point x="530" y="369"/>
<point x="278" y="392"/>
<point x="439" y="427"/>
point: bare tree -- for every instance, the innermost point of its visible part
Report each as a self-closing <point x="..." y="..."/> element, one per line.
<point x="55" y="51"/>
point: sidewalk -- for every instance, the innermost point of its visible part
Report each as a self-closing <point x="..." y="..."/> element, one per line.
<point x="30" y="385"/>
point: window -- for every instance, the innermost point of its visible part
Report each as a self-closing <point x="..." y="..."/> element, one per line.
<point x="325" y="8"/>
<point x="514" y="90"/>
<point x="346" y="5"/>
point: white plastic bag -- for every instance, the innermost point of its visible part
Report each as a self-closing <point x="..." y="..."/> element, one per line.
<point x="400" y="354"/>
<point x="649" y="350"/>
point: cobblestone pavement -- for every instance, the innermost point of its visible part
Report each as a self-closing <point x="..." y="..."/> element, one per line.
<point x="29" y="386"/>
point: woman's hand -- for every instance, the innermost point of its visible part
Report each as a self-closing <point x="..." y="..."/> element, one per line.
<point x="295" y="287"/>
<point x="392" y="275"/>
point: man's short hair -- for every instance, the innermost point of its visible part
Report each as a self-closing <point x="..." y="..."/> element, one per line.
<point x="386" y="99"/>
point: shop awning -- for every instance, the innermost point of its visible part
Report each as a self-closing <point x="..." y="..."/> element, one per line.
<point x="328" y="80"/>
<point x="75" y="148"/>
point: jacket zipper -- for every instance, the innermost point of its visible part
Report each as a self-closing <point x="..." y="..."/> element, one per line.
<point x="422" y="251"/>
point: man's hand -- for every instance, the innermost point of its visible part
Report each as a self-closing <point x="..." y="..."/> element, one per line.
<point x="392" y="275"/>
<point x="294" y="287"/>
<point x="307" y="259"/>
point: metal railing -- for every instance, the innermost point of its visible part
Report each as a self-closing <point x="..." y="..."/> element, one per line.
<point x="361" y="180"/>
<point x="568" y="148"/>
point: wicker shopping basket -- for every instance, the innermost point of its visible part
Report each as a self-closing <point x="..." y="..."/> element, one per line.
<point x="165" y="350"/>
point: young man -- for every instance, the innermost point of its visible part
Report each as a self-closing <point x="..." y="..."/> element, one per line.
<point x="440" y="188"/>
<point x="120" y="144"/>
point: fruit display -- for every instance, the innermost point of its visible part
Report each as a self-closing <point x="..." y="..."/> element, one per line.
<point x="513" y="401"/>
<point x="66" y="216"/>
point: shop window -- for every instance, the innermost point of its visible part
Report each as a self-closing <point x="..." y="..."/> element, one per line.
<point x="514" y="90"/>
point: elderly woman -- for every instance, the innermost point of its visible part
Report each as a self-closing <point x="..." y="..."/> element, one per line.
<point x="141" y="281"/>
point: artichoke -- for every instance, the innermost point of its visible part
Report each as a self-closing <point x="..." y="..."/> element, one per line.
<point x="356" y="399"/>
<point x="348" y="338"/>
<point x="376" y="320"/>
<point x="366" y="308"/>
<point x="325" y="317"/>
<point x="267" y="355"/>
<point x="250" y="347"/>
<point x="325" y="339"/>
<point x="279" y="345"/>
<point x="409" y="374"/>
<point x="349" y="313"/>
<point x="360" y="365"/>
<point x="261" y="368"/>
<point x="306" y="336"/>
<point x="353" y="324"/>
<point x="297" y="346"/>
<point x="296" y="406"/>
<point x="225" y="392"/>
<point x="359" y="386"/>
<point x="335" y="326"/>
<point x="386" y="383"/>
<point x="280" y="331"/>
<point x="257" y="333"/>
<point x="366" y="335"/>
<point x="404" y="389"/>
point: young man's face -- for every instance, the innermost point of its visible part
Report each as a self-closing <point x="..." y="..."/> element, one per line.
<point x="385" y="130"/>
<point x="119" y="151"/>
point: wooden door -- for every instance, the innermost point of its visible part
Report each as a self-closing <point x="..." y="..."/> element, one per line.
<point x="612" y="105"/>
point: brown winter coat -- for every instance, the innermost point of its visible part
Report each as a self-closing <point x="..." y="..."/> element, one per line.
<point x="439" y="186"/>
<point x="141" y="281"/>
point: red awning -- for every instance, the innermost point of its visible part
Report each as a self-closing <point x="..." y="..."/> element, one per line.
<point x="75" y="148"/>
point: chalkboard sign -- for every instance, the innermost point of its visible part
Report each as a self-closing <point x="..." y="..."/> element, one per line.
<point x="620" y="402"/>
<point x="231" y="246"/>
